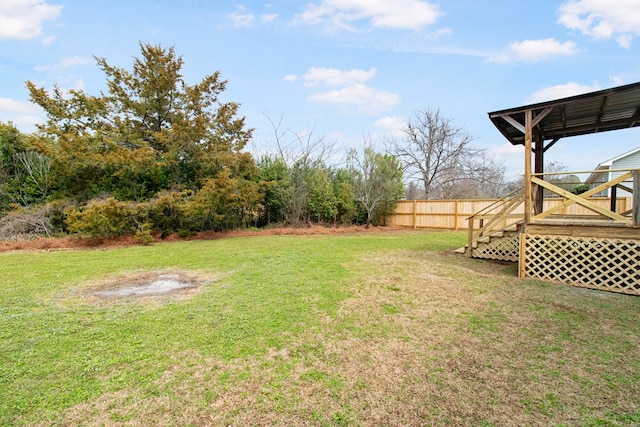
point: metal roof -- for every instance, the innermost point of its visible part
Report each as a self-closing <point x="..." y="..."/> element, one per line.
<point x="601" y="111"/>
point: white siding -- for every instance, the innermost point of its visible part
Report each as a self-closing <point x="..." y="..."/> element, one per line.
<point x="632" y="161"/>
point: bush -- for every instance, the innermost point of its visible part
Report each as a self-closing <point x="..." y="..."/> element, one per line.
<point x="103" y="218"/>
<point x="167" y="211"/>
<point x="143" y="235"/>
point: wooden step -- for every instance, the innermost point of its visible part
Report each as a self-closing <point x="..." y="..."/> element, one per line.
<point x="513" y="227"/>
<point x="462" y="250"/>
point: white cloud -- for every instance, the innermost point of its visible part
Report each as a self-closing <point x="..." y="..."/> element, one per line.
<point x="241" y="20"/>
<point x="392" y="125"/>
<point x="349" y="90"/>
<point x="624" y="41"/>
<point x="616" y="80"/>
<point x="397" y="14"/>
<point x="268" y="17"/>
<point x="562" y="91"/>
<point x="506" y="151"/>
<point x="366" y="99"/>
<point x="535" y="51"/>
<point x="70" y="62"/>
<point x="22" y="19"/>
<point x="603" y="19"/>
<point x="77" y="85"/>
<point x="20" y="113"/>
<point x="332" y="77"/>
<point x="20" y="107"/>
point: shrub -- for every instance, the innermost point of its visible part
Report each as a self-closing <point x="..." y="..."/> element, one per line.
<point x="103" y="218"/>
<point x="143" y="235"/>
<point x="167" y="211"/>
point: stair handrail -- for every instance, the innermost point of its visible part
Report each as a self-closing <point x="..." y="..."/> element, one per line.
<point x="505" y="206"/>
<point x="514" y="194"/>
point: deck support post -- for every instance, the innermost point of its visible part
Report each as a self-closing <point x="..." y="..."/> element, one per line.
<point x="635" y="200"/>
<point x="528" y="131"/>
<point x="470" y="237"/>
<point x="538" y="153"/>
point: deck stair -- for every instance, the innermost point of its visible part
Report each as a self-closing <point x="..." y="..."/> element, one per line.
<point x="498" y="235"/>
<point x="499" y="245"/>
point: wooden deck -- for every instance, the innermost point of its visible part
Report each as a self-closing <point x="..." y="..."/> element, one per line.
<point x="598" y="248"/>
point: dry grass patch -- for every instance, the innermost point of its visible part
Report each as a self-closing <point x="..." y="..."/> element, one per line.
<point x="423" y="341"/>
<point x="418" y="337"/>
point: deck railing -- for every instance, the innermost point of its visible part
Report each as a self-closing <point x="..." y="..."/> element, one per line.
<point x="560" y="206"/>
<point x="596" y="214"/>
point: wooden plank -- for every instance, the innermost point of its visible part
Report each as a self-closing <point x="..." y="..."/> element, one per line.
<point x="573" y="198"/>
<point x="541" y="116"/>
<point x="593" y="230"/>
<point x="470" y="237"/>
<point x="527" y="165"/>
<point x="438" y="214"/>
<point x="509" y="206"/>
<point x="455" y="216"/>
<point x="415" y="211"/>
<point x="579" y="200"/>
<point x="635" y="204"/>
<point x="522" y="272"/>
<point x="513" y="122"/>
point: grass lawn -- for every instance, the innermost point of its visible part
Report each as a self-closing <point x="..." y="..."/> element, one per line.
<point x="375" y="328"/>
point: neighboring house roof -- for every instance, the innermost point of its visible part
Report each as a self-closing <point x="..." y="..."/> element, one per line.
<point x="610" y="162"/>
<point x="604" y="110"/>
<point x="607" y="164"/>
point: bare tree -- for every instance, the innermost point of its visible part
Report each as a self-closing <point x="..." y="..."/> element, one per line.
<point x="554" y="168"/>
<point x="482" y="178"/>
<point x="441" y="157"/>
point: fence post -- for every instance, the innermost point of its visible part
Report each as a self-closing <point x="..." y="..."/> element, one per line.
<point x="415" y="214"/>
<point x="455" y="215"/>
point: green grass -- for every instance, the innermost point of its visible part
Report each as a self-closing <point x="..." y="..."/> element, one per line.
<point x="363" y="329"/>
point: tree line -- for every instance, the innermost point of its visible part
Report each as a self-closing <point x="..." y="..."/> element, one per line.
<point x="157" y="155"/>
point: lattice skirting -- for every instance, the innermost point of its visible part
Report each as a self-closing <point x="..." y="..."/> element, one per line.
<point x="503" y="248"/>
<point x="598" y="263"/>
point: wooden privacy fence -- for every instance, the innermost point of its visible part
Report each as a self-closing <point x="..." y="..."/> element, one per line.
<point x="452" y="214"/>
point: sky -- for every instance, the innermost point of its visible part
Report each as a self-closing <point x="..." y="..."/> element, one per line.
<point x="345" y="71"/>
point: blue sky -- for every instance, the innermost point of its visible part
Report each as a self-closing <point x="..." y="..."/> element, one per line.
<point x="344" y="70"/>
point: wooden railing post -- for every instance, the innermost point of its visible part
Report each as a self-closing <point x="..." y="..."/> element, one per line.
<point x="635" y="198"/>
<point x="470" y="237"/>
<point x="527" y="165"/>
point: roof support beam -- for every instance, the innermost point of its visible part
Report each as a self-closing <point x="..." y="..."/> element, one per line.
<point x="513" y="122"/>
<point x="549" y="145"/>
<point x="603" y="109"/>
<point x="541" y="116"/>
<point x="635" y="118"/>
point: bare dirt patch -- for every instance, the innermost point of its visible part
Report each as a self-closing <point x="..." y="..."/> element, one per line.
<point x="156" y="284"/>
